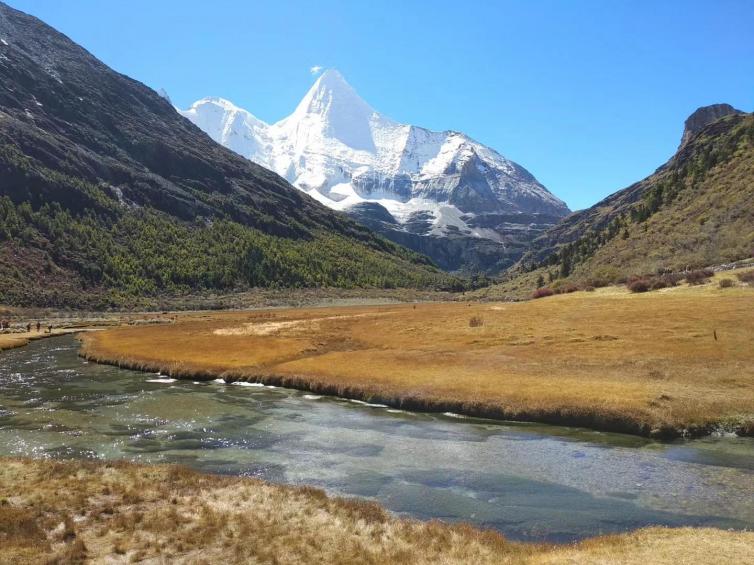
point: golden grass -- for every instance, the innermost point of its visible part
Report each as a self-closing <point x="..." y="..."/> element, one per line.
<point x="660" y="363"/>
<point x="19" y="339"/>
<point x="68" y="512"/>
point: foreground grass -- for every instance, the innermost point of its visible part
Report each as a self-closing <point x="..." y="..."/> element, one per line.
<point x="67" y="512"/>
<point x="662" y="363"/>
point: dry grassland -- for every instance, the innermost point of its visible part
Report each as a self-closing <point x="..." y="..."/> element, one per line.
<point x="71" y="512"/>
<point x="662" y="363"/>
<point x="19" y="339"/>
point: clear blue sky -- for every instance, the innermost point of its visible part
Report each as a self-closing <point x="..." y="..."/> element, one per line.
<point x="588" y="95"/>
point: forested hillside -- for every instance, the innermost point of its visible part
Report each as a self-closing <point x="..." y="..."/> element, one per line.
<point x="107" y="194"/>
<point x="694" y="211"/>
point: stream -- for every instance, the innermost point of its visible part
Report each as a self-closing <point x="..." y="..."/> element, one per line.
<point x="530" y="481"/>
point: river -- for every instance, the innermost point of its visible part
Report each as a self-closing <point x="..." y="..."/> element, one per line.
<point x="529" y="481"/>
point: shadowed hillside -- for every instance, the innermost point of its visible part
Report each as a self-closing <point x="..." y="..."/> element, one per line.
<point x="107" y="193"/>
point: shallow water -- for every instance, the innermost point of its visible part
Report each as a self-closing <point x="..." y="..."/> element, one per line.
<point x="530" y="481"/>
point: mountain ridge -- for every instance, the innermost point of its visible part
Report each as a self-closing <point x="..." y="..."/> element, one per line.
<point x="108" y="195"/>
<point x="693" y="211"/>
<point x="335" y="147"/>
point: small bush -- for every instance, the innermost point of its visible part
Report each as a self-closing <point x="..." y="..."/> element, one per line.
<point x="604" y="276"/>
<point x="564" y="287"/>
<point x="595" y="282"/>
<point x="747" y="277"/>
<point x="667" y="280"/>
<point x="588" y="288"/>
<point x="699" y="276"/>
<point x="673" y="278"/>
<point x="726" y="283"/>
<point x="638" y="285"/>
<point x="542" y="292"/>
<point x="476" y="321"/>
<point x="567" y="288"/>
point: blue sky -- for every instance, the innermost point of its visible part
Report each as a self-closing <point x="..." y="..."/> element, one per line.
<point x="590" y="96"/>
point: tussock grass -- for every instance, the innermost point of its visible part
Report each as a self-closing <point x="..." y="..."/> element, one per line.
<point x="69" y="512"/>
<point x="587" y="359"/>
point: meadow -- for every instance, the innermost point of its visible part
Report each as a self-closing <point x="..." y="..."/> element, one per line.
<point x="673" y="362"/>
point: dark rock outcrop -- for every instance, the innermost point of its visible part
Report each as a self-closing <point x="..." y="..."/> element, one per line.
<point x="704" y="116"/>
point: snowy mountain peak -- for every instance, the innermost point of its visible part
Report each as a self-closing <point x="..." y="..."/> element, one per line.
<point x="227" y="124"/>
<point x="215" y="103"/>
<point x="333" y="109"/>
<point x="339" y="150"/>
<point x="331" y="94"/>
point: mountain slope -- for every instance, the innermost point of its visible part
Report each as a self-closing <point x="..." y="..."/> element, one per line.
<point x="104" y="187"/>
<point x="429" y="190"/>
<point x="694" y="211"/>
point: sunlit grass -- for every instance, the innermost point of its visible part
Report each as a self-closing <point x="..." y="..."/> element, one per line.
<point x="68" y="512"/>
<point x="657" y="363"/>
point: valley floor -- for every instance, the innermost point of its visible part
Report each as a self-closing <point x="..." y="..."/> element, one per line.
<point x="19" y="339"/>
<point x="67" y="512"/>
<point x="663" y="364"/>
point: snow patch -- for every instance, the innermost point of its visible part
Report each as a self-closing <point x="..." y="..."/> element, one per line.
<point x="341" y="152"/>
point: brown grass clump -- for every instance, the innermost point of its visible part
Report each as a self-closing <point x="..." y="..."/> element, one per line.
<point x="19" y="527"/>
<point x="188" y="517"/>
<point x="699" y="276"/>
<point x="568" y="288"/>
<point x="476" y="322"/>
<point x="638" y="284"/>
<point x="746" y="277"/>
<point x="543" y="292"/>
<point x="577" y="359"/>
<point x="726" y="283"/>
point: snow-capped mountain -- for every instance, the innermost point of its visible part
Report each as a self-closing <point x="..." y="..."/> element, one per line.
<point x="394" y="177"/>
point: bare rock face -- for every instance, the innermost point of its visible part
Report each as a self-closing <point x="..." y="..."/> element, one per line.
<point x="704" y="116"/>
